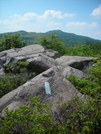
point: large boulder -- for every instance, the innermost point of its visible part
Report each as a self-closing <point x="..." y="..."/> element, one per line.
<point x="41" y="63"/>
<point x="22" y="54"/>
<point x="39" y="59"/>
<point x="78" y="62"/>
<point x="53" y="54"/>
<point x="1" y="69"/>
<point x="61" y="90"/>
<point x="67" y="71"/>
<point x="2" y="72"/>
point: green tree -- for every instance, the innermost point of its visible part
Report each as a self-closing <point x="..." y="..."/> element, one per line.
<point x="11" y="41"/>
<point x="52" y="42"/>
<point x="86" y="49"/>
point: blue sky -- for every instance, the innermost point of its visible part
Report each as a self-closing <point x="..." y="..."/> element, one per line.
<point x="82" y="17"/>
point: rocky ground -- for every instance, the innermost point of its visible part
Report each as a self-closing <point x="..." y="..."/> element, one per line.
<point x="50" y="68"/>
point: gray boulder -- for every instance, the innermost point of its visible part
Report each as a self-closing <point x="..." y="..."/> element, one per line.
<point x="67" y="71"/>
<point x="1" y="69"/>
<point x="41" y="63"/>
<point x="61" y="90"/>
<point x="77" y="62"/>
<point x="23" y="54"/>
<point x="39" y="59"/>
<point x="53" y="54"/>
<point x="2" y="73"/>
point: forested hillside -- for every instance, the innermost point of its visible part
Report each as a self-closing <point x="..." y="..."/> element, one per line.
<point x="52" y="41"/>
<point x="69" y="39"/>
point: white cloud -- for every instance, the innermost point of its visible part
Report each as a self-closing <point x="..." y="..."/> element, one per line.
<point x="52" y="14"/>
<point x="25" y="17"/>
<point x="97" y="12"/>
<point x="83" y="28"/>
<point x="81" y="24"/>
<point x="69" y="15"/>
<point x="48" y="14"/>
<point x="76" y="24"/>
<point x="53" y="24"/>
<point x="4" y="22"/>
<point x="93" y="25"/>
<point x="98" y="33"/>
<point x="55" y="14"/>
<point x="31" y="20"/>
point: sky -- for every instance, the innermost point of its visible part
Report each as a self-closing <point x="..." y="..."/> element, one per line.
<point x="82" y="17"/>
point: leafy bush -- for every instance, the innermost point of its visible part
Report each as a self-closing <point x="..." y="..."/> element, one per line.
<point x="74" y="117"/>
<point x="32" y="119"/>
<point x="81" y="117"/>
<point x="90" y="85"/>
<point x="84" y="117"/>
<point x="14" y="77"/>
<point x="85" y="86"/>
<point x="11" y="41"/>
<point x="86" y="49"/>
<point x="18" y="67"/>
<point x="52" y="42"/>
<point x="10" y="82"/>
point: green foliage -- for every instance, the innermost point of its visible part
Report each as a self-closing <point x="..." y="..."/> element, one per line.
<point x="18" y="67"/>
<point x="95" y="73"/>
<point x="32" y="119"/>
<point x="85" y="116"/>
<point x="14" y="77"/>
<point x="11" y="41"/>
<point x="75" y="117"/>
<point x="90" y="85"/>
<point x="52" y="42"/>
<point x="85" y="86"/>
<point x="69" y="39"/>
<point x="82" y="117"/>
<point x="11" y="81"/>
<point x="86" y="49"/>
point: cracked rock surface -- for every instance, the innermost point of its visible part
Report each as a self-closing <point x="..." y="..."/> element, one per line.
<point x="51" y="68"/>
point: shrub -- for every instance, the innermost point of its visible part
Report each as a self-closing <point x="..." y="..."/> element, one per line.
<point x="84" y="117"/>
<point x="10" y="82"/>
<point x="11" y="41"/>
<point x="18" y="67"/>
<point x="85" y="85"/>
<point x="14" y="77"/>
<point x="81" y="117"/>
<point x="32" y="119"/>
<point x="52" y="42"/>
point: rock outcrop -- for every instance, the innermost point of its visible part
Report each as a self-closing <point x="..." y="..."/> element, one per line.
<point x="61" y="90"/>
<point x="38" y="58"/>
<point x="51" y="68"/>
<point x="77" y="62"/>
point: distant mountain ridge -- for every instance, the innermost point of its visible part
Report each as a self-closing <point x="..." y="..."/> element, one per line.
<point x="69" y="39"/>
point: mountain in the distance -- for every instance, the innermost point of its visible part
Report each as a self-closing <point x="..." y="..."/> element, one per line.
<point x="68" y="38"/>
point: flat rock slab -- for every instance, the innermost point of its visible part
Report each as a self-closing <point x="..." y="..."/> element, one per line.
<point x="78" y="62"/>
<point x="61" y="90"/>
